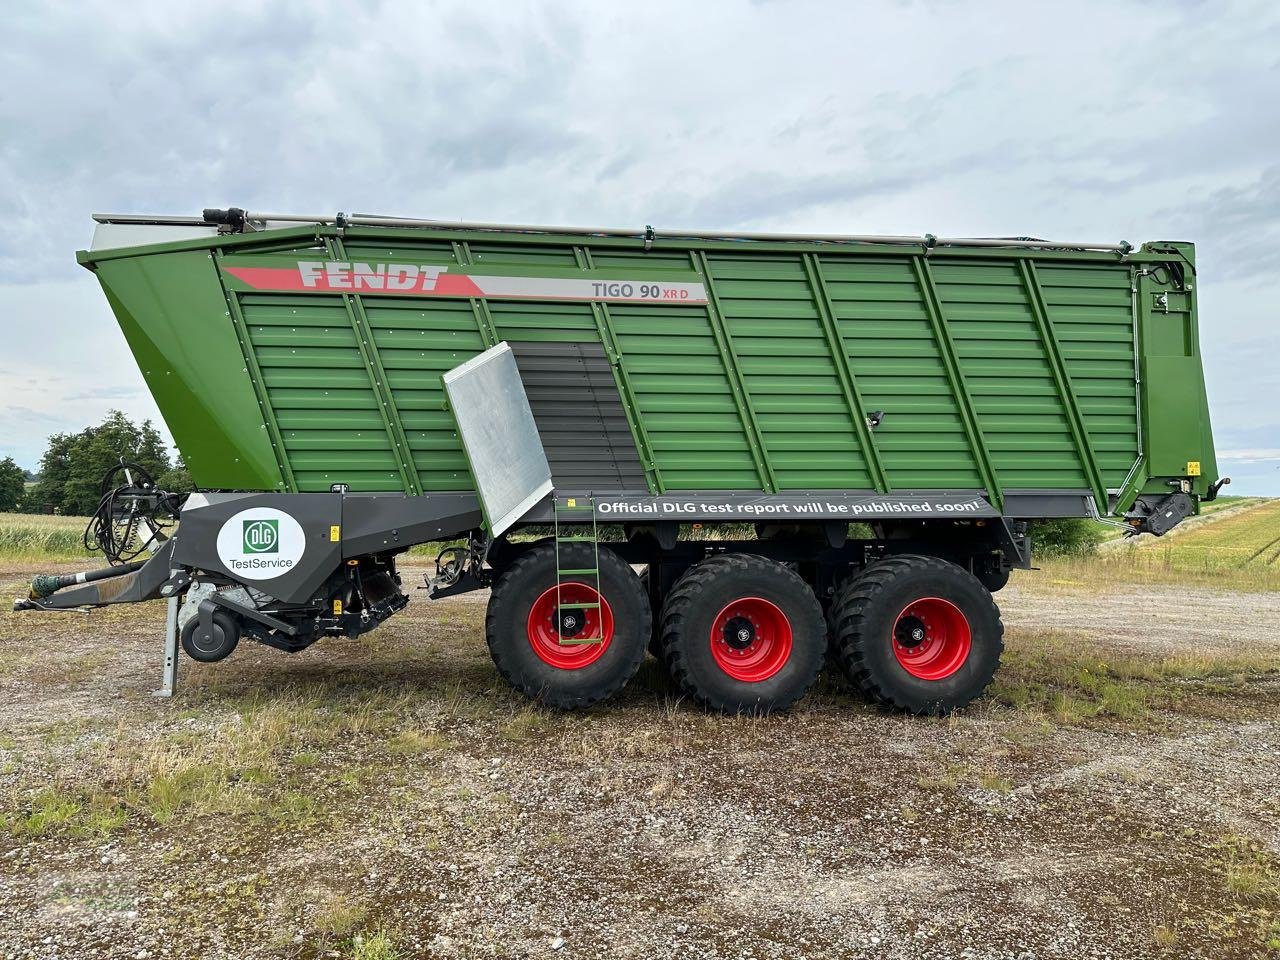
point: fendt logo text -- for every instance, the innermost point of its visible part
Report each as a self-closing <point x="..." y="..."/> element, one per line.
<point x="261" y="536"/>
<point x="343" y="275"/>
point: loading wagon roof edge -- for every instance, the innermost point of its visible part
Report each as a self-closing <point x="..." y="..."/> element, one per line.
<point x="247" y="223"/>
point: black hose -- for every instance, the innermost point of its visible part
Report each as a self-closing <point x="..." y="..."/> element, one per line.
<point x="127" y="511"/>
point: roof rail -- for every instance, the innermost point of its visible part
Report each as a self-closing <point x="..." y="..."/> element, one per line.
<point x="640" y="233"/>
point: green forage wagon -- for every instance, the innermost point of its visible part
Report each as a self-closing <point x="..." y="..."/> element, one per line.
<point x="640" y="440"/>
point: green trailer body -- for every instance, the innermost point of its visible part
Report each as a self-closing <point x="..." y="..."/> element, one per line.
<point x="297" y="357"/>
<point x="345" y="388"/>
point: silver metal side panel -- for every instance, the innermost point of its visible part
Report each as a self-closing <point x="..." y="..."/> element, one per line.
<point x="499" y="435"/>
<point x="112" y="236"/>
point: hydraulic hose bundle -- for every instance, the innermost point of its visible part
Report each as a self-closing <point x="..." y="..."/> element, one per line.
<point x="131" y="519"/>
<point x="132" y="516"/>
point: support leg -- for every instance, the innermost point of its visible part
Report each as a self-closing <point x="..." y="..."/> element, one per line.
<point x="170" y="678"/>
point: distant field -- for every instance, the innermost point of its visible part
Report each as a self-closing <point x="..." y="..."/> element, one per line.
<point x="28" y="536"/>
<point x="1240" y="551"/>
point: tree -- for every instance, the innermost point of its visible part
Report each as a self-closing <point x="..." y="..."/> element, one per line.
<point x="13" y="484"/>
<point x="72" y="468"/>
<point x="177" y="479"/>
<point x="1069" y="536"/>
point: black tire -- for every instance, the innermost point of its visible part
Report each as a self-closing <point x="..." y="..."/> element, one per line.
<point x="507" y="628"/>
<point x="655" y="633"/>
<point x="869" y="609"/>
<point x="690" y="650"/>
<point x="215" y="644"/>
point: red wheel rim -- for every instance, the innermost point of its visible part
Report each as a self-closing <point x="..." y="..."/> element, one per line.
<point x="931" y="638"/>
<point x="547" y="641"/>
<point x="751" y="639"/>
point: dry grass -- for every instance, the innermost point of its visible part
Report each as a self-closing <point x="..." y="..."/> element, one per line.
<point x="1055" y="676"/>
<point x="1238" y="552"/>
<point x="374" y="946"/>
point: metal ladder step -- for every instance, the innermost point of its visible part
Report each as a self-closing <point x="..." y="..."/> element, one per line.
<point x="577" y="512"/>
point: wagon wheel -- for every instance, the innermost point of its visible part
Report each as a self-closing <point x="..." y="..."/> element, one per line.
<point x="566" y="644"/>
<point x="918" y="633"/>
<point x="742" y="634"/>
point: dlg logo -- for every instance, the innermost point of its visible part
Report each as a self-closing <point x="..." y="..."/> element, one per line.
<point x="261" y="536"/>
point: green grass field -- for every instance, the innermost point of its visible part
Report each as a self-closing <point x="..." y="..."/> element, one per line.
<point x="1240" y="551"/>
<point x="25" y="536"/>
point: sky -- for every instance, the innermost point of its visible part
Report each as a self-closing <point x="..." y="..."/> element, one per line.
<point x="1088" y="121"/>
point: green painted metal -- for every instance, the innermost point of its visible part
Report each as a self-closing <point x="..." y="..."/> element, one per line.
<point x="249" y="355"/>
<point x="849" y="387"/>
<point x="750" y="425"/>
<point x="378" y="380"/>
<point x="1035" y="297"/>
<point x="484" y="322"/>
<point x="609" y="339"/>
<point x="933" y="307"/>
<point x="997" y="368"/>
<point x="573" y="508"/>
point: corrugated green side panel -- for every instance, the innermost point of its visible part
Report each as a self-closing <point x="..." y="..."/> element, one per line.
<point x="320" y="392"/>
<point x="1002" y="357"/>
<point x="896" y="360"/>
<point x="683" y="393"/>
<point x="788" y="373"/>
<point x="418" y="343"/>
<point x="967" y="354"/>
<point x="1091" y="310"/>
<point x="772" y="340"/>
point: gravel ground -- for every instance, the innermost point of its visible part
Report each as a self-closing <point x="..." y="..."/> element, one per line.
<point x="1158" y="620"/>
<point x="411" y="793"/>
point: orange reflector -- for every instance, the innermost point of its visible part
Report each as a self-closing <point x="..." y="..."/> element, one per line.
<point x="337" y="608"/>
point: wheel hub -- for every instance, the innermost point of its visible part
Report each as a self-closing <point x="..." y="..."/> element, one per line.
<point x="739" y="633"/>
<point x="932" y="638"/>
<point x="751" y="639"/>
<point x="571" y="622"/>
<point x="911" y="632"/>
<point x="567" y="629"/>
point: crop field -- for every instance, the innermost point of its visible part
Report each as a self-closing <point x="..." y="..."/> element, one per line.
<point x="1247" y="540"/>
<point x="26" y="535"/>
<point x="1113" y="796"/>
<point x="1238" y="545"/>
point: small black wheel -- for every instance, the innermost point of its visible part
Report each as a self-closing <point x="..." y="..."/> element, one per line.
<point x="918" y="633"/>
<point x="216" y="643"/>
<point x="568" y="645"/>
<point x="742" y="634"/>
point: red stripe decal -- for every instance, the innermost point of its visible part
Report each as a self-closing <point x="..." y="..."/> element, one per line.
<point x="422" y="280"/>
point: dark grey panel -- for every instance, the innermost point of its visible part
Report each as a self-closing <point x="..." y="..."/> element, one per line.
<point x="794" y="505"/>
<point x="580" y="416"/>
<point x="375" y="522"/>
<point x="1046" y="504"/>
<point x="318" y="514"/>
